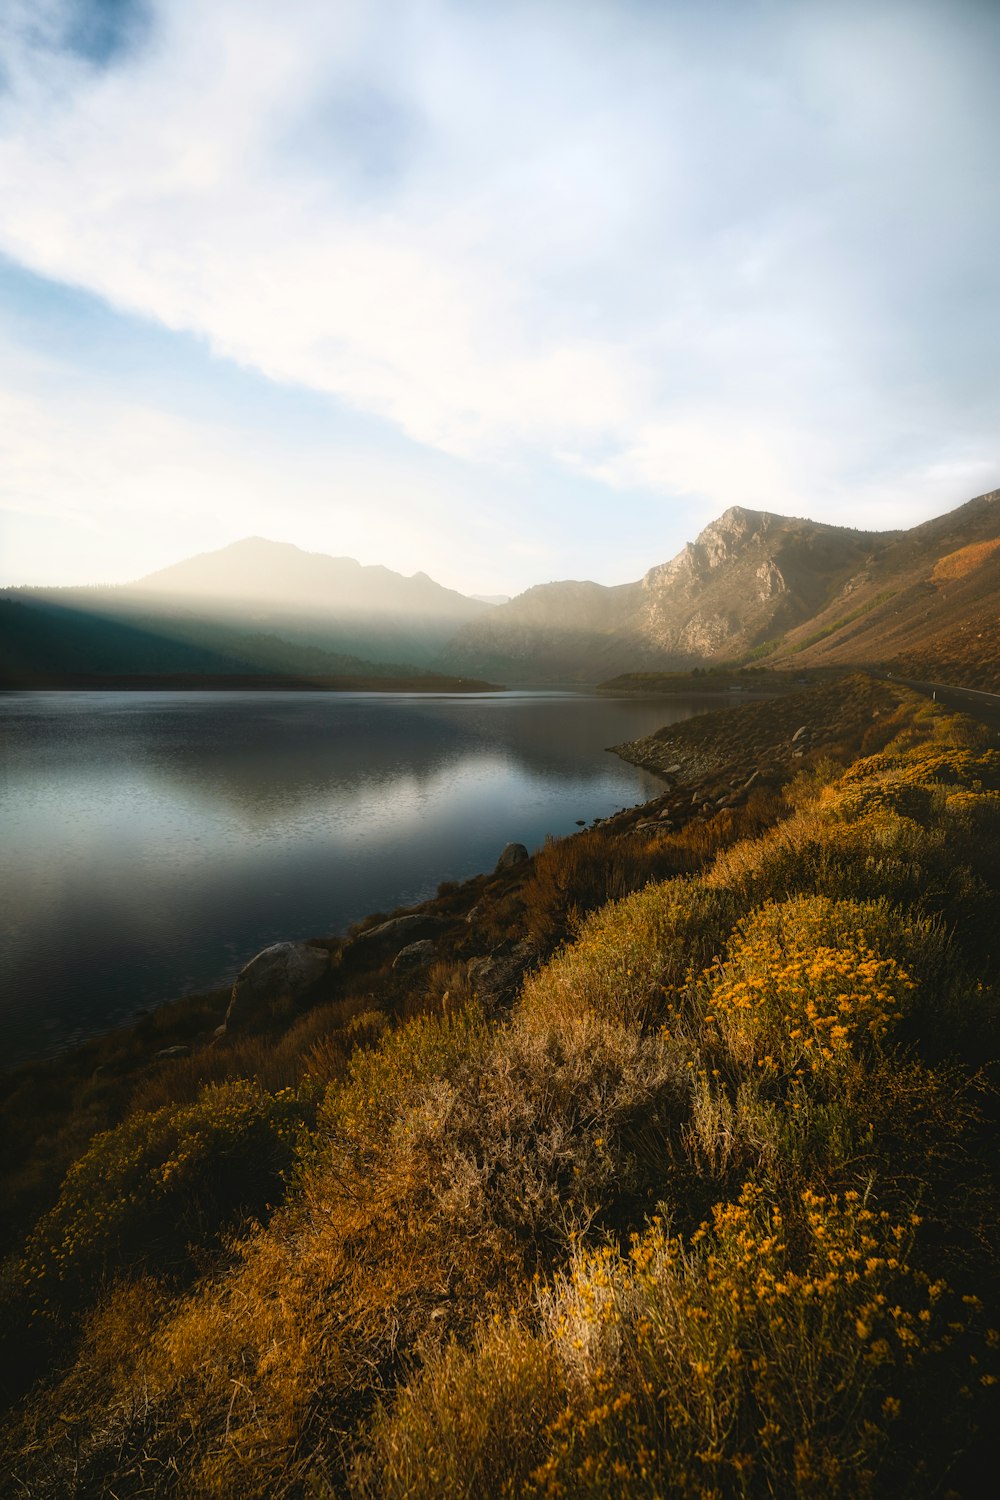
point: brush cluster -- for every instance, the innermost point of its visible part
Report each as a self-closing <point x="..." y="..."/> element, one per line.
<point x="708" y="1211"/>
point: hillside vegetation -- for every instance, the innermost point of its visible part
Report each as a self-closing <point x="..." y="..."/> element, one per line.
<point x="705" y="1204"/>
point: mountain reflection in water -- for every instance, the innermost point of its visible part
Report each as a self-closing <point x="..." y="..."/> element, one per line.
<point x="154" y="841"/>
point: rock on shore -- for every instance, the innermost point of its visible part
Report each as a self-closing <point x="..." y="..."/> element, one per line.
<point x="285" y="971"/>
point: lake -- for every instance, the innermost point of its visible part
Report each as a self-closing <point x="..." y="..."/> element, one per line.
<point x="153" y="842"/>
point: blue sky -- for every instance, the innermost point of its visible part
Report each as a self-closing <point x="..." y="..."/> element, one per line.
<point x="501" y="292"/>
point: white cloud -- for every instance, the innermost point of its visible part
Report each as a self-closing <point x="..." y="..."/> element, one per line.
<point x="119" y="487"/>
<point x="698" y="253"/>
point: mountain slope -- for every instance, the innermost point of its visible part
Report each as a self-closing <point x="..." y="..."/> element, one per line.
<point x="748" y="576"/>
<point x="756" y="586"/>
<point x="928" y="604"/>
<point x="44" y="641"/>
<point x="254" y="606"/>
<point x="555" y="632"/>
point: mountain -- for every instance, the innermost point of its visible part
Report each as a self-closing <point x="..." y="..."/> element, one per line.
<point x="756" y="586"/>
<point x="753" y="587"/>
<point x="334" y="603"/>
<point x="255" y="606"/>
<point x="554" y="632"/>
<point x="279" y="577"/>
<point x="927" y="605"/>
<point x="748" y="575"/>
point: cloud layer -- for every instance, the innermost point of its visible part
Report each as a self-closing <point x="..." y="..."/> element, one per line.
<point x="729" y="252"/>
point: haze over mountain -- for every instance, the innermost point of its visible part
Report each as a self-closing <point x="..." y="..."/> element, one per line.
<point x="276" y="576"/>
<point x="254" y="606"/>
<point x="753" y="587"/>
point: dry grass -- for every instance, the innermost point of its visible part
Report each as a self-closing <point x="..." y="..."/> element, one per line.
<point x="710" y="1212"/>
<point x="965" y="560"/>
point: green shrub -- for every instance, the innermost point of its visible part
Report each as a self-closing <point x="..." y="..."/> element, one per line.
<point x="630" y="958"/>
<point x="162" y="1187"/>
<point x="384" y="1081"/>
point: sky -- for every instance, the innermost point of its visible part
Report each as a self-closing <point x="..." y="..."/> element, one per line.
<point x="500" y="290"/>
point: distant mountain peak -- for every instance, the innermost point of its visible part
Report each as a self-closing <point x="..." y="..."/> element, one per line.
<point x="262" y="575"/>
<point x="247" y="550"/>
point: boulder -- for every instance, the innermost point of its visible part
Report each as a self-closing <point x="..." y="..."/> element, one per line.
<point x="388" y="937"/>
<point x="513" y="854"/>
<point x="285" y="971"/>
<point x="496" y="979"/>
<point x="414" y="955"/>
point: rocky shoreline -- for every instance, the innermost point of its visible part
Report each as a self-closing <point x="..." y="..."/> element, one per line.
<point x="711" y="763"/>
<point x="723" y="776"/>
<point x="724" y="754"/>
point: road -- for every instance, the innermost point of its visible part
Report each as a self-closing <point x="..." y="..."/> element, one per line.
<point x="978" y="705"/>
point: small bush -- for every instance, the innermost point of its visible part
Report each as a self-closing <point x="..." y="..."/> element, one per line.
<point x="631" y="958"/>
<point x="160" y="1187"/>
<point x="473" y="1423"/>
<point x="810" y="983"/>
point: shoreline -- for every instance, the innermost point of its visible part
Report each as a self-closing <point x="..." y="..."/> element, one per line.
<point x="695" y="785"/>
<point x="707" y="764"/>
<point x="174" y="682"/>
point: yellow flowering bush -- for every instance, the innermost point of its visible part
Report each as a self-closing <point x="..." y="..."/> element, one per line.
<point x="773" y="1353"/>
<point x="808" y="983"/>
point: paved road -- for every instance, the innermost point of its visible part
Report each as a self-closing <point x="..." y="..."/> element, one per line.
<point x="978" y="705"/>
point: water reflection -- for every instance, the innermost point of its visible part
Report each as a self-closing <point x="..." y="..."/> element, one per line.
<point x="154" y="842"/>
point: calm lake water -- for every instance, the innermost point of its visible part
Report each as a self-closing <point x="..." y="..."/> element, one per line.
<point x="153" y="842"/>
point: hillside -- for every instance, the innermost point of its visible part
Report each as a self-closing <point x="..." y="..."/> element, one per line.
<point x="755" y="586"/>
<point x="61" y="636"/>
<point x="255" y="606"/>
<point x="927" y="606"/>
<point x="675" y="1172"/>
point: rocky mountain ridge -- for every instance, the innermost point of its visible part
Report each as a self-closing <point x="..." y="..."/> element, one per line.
<point x="748" y="575"/>
<point x="754" y="587"/>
